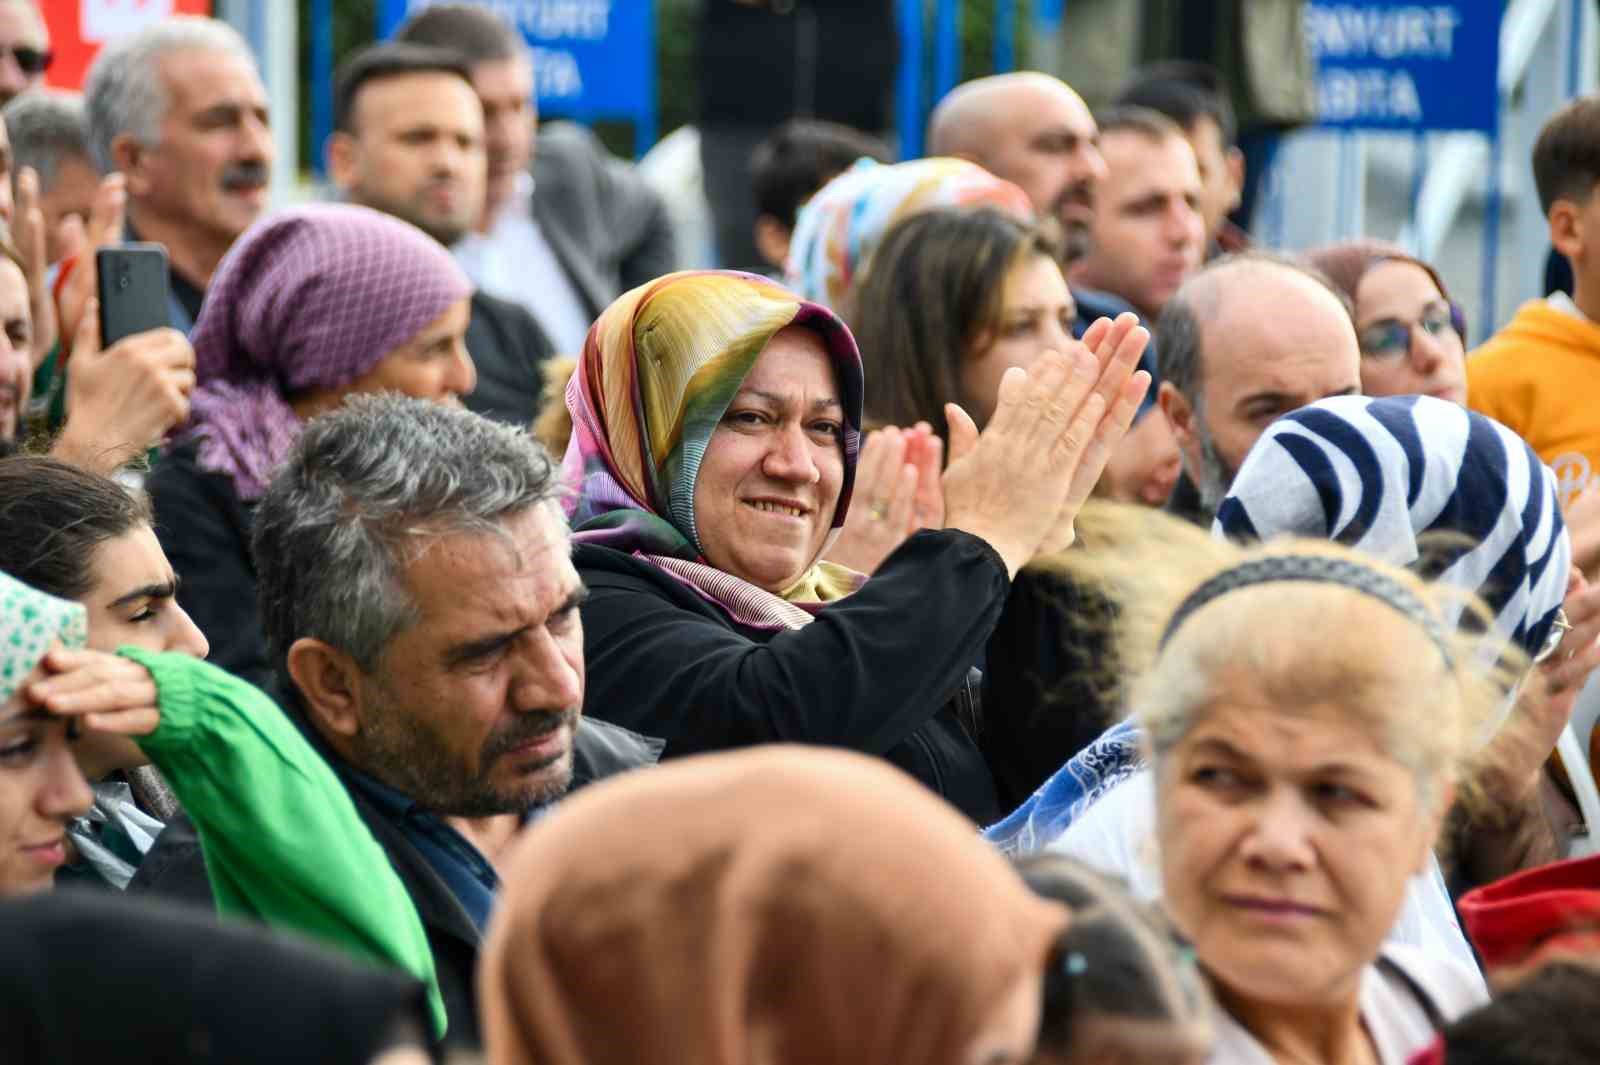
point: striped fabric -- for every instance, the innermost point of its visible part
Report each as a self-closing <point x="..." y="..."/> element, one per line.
<point x="1380" y="475"/>
<point x="841" y="225"/>
<point x="1386" y="475"/>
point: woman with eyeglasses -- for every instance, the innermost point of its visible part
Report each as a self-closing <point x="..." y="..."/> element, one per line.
<point x="1412" y="334"/>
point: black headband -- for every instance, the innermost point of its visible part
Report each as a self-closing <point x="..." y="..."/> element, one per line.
<point x="1314" y="568"/>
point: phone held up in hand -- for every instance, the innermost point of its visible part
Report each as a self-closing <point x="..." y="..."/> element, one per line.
<point x="133" y="290"/>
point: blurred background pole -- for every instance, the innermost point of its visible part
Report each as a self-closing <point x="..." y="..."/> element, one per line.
<point x="909" y="114"/>
<point x="272" y="28"/>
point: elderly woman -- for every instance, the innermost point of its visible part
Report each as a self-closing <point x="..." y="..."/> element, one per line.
<point x="716" y="424"/>
<point x="309" y="306"/>
<point x="1384" y="476"/>
<point x="1308" y="711"/>
<point x="1413" y="336"/>
<point x="787" y="906"/>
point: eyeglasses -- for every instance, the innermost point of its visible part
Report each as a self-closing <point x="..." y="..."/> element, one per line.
<point x="30" y="61"/>
<point x="1558" y="632"/>
<point x="1391" y="338"/>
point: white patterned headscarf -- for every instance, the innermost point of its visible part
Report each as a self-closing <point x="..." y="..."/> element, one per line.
<point x="30" y="623"/>
<point x="1382" y="474"/>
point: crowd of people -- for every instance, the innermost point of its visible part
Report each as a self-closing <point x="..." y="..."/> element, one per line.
<point x="1026" y="625"/>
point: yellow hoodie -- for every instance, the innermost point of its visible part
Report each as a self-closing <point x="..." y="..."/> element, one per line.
<point x="1540" y="377"/>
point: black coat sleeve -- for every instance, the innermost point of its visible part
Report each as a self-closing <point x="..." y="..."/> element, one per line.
<point x="205" y="531"/>
<point x="868" y="672"/>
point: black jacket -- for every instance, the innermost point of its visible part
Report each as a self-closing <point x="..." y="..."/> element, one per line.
<point x="204" y="527"/>
<point x="175" y="866"/>
<point x="508" y="349"/>
<point x="885" y="671"/>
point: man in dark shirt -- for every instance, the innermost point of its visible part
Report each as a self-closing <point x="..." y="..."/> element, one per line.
<point x="408" y="140"/>
<point x="421" y="605"/>
<point x="179" y="109"/>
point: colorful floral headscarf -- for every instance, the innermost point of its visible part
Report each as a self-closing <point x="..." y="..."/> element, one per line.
<point x="30" y="622"/>
<point x="657" y="373"/>
<point x="839" y="227"/>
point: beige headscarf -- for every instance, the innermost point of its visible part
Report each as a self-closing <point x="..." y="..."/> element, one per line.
<point x="775" y="906"/>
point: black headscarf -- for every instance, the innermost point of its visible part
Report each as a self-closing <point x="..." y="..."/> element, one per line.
<point x="86" y="977"/>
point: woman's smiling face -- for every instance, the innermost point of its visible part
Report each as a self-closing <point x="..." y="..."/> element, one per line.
<point x="773" y="469"/>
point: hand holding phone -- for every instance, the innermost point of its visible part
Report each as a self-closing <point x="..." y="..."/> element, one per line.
<point x="133" y="288"/>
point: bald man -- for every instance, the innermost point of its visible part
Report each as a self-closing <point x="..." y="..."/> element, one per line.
<point x="24" y="48"/>
<point x="1031" y="129"/>
<point x="1248" y="338"/>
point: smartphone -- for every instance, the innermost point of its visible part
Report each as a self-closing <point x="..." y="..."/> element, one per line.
<point x="133" y="289"/>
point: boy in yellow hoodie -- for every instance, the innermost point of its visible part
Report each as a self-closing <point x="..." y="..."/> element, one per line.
<point x="1540" y="375"/>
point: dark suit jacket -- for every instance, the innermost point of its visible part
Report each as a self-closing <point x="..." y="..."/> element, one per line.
<point x="509" y="349"/>
<point x="609" y="229"/>
<point x="175" y="866"/>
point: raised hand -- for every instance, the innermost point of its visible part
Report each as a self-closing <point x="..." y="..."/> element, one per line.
<point x="104" y="229"/>
<point x="33" y="245"/>
<point x="124" y="399"/>
<point x="1013" y="484"/>
<point x="1115" y="344"/>
<point x="107" y="693"/>
<point x="883" y="505"/>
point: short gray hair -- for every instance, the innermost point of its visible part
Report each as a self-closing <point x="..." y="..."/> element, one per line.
<point x="363" y="489"/>
<point x="1178" y="343"/>
<point x="124" y="91"/>
<point x="47" y="128"/>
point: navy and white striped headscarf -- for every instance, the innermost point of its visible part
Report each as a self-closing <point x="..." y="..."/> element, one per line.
<point x="1374" y="474"/>
<point x="1378" y="474"/>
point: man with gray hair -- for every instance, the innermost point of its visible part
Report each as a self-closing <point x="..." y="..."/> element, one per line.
<point x="1248" y="338"/>
<point x="419" y="599"/>
<point x="49" y="132"/>
<point x="179" y="109"/>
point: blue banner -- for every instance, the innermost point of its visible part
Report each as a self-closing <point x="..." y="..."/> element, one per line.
<point x="1389" y="65"/>
<point x="592" y="59"/>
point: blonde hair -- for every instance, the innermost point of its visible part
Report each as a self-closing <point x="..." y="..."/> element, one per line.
<point x="1427" y="695"/>
<point x="552" y="427"/>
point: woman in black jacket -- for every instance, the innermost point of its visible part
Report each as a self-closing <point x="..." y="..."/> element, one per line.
<point x="716" y="425"/>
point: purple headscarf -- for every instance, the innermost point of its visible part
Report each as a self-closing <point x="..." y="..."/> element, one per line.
<point x="308" y="298"/>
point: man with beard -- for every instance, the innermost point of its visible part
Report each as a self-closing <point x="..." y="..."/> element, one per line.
<point x="420" y="602"/>
<point x="409" y="141"/>
<point x="179" y="109"/>
<point x="1034" y="131"/>
<point x="566" y="227"/>
<point x="1250" y="337"/>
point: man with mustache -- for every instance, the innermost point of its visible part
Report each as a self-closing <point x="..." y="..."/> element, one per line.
<point x="1034" y="131"/>
<point x="409" y="141"/>
<point x="421" y="605"/>
<point x="179" y="109"/>
<point x="1248" y="338"/>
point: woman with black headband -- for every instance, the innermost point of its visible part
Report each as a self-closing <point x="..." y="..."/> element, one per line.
<point x="1307" y="713"/>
